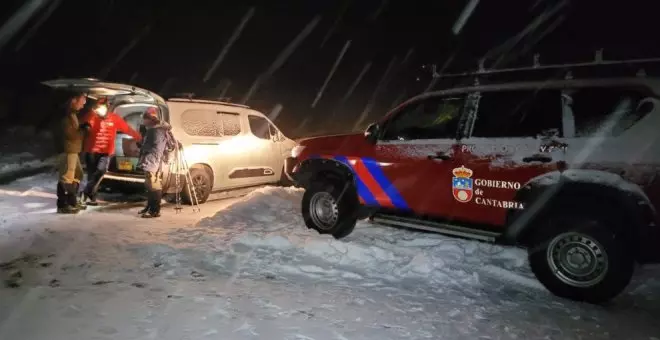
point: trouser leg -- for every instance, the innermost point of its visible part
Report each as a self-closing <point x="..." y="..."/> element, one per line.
<point x="97" y="168"/>
<point x="69" y="177"/>
<point x="154" y="186"/>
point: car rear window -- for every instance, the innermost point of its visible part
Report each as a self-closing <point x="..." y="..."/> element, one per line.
<point x="201" y="123"/>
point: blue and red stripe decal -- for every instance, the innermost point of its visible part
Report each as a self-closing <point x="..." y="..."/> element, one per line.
<point x="373" y="186"/>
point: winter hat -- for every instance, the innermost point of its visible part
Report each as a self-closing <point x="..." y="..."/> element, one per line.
<point x="151" y="113"/>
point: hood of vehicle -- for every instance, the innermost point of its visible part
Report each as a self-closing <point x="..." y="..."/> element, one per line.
<point x="333" y="143"/>
<point x="95" y="87"/>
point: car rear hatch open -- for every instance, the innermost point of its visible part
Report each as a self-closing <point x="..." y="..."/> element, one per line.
<point x="132" y="102"/>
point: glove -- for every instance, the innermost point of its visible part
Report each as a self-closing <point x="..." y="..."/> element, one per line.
<point x="84" y="126"/>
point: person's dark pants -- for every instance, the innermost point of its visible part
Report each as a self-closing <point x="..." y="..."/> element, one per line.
<point x="153" y="182"/>
<point x="96" y="166"/>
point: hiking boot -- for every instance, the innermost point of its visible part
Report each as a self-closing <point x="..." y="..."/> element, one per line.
<point x="90" y="200"/>
<point x="151" y="214"/>
<point x="80" y="203"/>
<point x="68" y="210"/>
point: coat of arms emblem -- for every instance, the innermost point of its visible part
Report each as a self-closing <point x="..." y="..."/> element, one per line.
<point x="462" y="184"/>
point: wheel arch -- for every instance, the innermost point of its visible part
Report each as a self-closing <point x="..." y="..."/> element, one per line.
<point x="594" y="188"/>
<point x="206" y="168"/>
<point x="169" y="184"/>
<point x="313" y="168"/>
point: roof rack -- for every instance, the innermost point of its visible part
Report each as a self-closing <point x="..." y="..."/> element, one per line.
<point x="190" y="97"/>
<point x="536" y="66"/>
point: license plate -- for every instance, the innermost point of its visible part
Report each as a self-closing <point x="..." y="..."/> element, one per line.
<point x="126" y="165"/>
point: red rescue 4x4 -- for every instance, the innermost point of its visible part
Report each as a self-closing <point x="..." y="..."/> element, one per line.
<point x="567" y="169"/>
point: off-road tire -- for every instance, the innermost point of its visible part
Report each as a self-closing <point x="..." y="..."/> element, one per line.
<point x="202" y="183"/>
<point x="344" y="203"/>
<point x="594" y="233"/>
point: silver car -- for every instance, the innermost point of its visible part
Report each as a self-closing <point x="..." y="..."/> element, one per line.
<point x="226" y="146"/>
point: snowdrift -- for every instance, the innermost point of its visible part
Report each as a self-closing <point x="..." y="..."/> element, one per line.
<point x="264" y="233"/>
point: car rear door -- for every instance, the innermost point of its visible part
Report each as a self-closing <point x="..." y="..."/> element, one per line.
<point x="96" y="87"/>
<point x="409" y="168"/>
<point x="515" y="137"/>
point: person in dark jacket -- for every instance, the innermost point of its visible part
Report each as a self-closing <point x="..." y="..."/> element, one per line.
<point x="154" y="151"/>
<point x="99" y="145"/>
<point x="69" y="168"/>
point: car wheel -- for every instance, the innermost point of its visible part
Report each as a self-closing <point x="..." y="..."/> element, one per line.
<point x="581" y="258"/>
<point x="202" y="186"/>
<point x="330" y="208"/>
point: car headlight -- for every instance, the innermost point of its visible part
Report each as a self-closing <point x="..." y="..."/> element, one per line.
<point x="297" y="150"/>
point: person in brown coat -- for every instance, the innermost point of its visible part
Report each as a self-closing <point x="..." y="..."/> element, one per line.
<point x="70" y="170"/>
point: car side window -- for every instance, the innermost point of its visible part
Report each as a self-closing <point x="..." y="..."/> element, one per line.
<point x="430" y="118"/>
<point x="230" y="122"/>
<point x="259" y="126"/>
<point x="517" y="114"/>
<point x="134" y="119"/>
<point x="201" y="123"/>
<point x="606" y="112"/>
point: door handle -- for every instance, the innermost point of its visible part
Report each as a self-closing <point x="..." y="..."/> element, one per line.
<point x="440" y="155"/>
<point x="537" y="158"/>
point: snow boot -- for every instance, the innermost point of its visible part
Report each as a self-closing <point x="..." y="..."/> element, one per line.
<point x="90" y="199"/>
<point x="61" y="195"/>
<point x="67" y="199"/>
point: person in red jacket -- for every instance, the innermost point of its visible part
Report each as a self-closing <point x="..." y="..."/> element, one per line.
<point x="99" y="145"/>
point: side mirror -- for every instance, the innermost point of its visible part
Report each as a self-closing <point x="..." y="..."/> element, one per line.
<point x="371" y="133"/>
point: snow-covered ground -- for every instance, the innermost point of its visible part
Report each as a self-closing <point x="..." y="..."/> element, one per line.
<point x="247" y="268"/>
<point x="24" y="161"/>
<point x="14" y="161"/>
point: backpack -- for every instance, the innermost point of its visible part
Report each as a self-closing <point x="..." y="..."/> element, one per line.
<point x="170" y="146"/>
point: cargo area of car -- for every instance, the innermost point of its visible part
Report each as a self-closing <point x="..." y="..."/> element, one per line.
<point x="126" y="157"/>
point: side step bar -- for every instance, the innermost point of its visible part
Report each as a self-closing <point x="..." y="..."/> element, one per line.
<point x="441" y="228"/>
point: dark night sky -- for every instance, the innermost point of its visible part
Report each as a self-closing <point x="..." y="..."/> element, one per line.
<point x="82" y="37"/>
